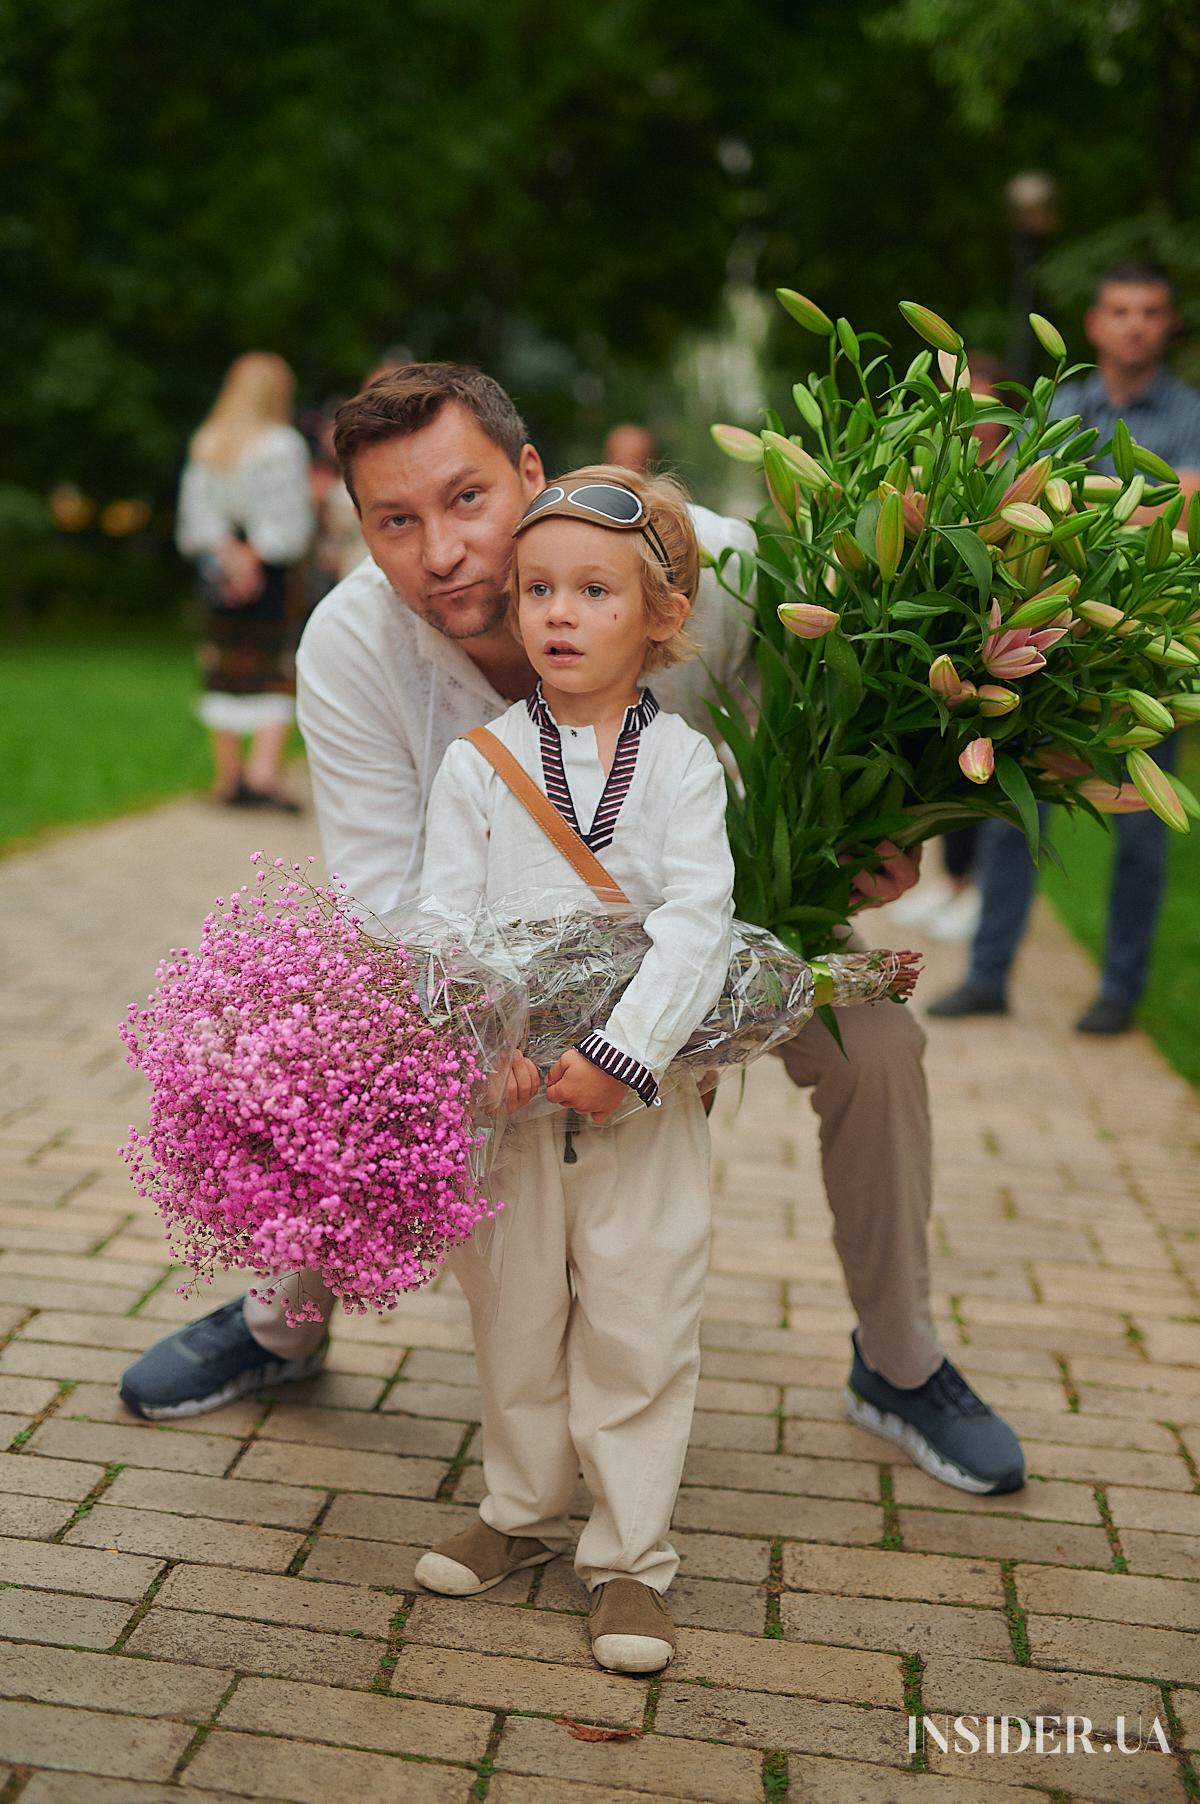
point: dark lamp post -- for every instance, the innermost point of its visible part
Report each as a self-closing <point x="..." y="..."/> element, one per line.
<point x="1033" y="203"/>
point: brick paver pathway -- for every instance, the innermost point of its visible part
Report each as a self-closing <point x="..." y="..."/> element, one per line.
<point x="224" y="1609"/>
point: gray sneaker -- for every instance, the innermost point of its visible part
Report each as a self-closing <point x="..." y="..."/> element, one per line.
<point x="942" y="1425"/>
<point x="207" y="1364"/>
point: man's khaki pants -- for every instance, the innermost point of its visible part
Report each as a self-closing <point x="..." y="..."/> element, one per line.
<point x="586" y="1310"/>
<point x="873" y="1108"/>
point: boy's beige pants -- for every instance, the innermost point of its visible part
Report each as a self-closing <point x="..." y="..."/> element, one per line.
<point x="588" y="1346"/>
<point x="875" y="1146"/>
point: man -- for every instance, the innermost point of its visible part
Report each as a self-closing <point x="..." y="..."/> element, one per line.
<point x="409" y="652"/>
<point x="631" y="445"/>
<point x="1130" y="324"/>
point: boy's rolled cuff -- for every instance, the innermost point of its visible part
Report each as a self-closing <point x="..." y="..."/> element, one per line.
<point x="622" y="1065"/>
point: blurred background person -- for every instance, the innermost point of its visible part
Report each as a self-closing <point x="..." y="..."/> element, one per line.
<point x="245" y="518"/>
<point x="1130" y="324"/>
<point x="633" y="446"/>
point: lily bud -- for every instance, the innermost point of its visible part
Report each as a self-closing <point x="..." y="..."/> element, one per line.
<point x="1171" y="652"/>
<point x="1027" y="487"/>
<point x="1185" y="708"/>
<point x="1131" y="500"/>
<point x="1159" y="546"/>
<point x="889" y="536"/>
<point x="1156" y="790"/>
<point x="977" y="761"/>
<point x="848" y="339"/>
<point x="1048" y="336"/>
<point x="1121" y="451"/>
<point x="930" y="326"/>
<point x="805" y="312"/>
<point x="947" y="363"/>
<point x="744" y="447"/>
<point x="1150" y="711"/>
<point x="914" y="515"/>
<point x="1039" y="611"/>
<point x="1024" y="517"/>
<point x="781" y="486"/>
<point x="804" y="467"/>
<point x="1098" y="613"/>
<point x="995" y="699"/>
<point x="1151" y="464"/>
<point x="847" y="550"/>
<point x="945" y="681"/>
<point x="1058" y="495"/>
<point x="807" y="406"/>
<point x="806" y="619"/>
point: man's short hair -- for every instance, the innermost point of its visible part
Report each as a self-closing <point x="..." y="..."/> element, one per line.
<point x="1142" y="271"/>
<point x="404" y="399"/>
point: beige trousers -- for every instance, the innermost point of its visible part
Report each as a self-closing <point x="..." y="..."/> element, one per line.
<point x="589" y="1348"/>
<point x="873" y="1109"/>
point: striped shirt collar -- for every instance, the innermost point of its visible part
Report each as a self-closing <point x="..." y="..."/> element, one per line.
<point x="637" y="716"/>
<point x="554" y="776"/>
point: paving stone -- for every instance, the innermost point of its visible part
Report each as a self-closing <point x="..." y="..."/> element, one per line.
<point x="1161" y="1510"/>
<point x="733" y="1432"/>
<point x="363" y="1429"/>
<point x="285" y="1653"/>
<point x="50" y="1359"/>
<point x="762" y="1513"/>
<point x="63" y="1788"/>
<point x="906" y="1626"/>
<point x="83" y="1569"/>
<point x="87" y="1742"/>
<point x="735" y="1397"/>
<point x="102" y="1403"/>
<point x="263" y="1766"/>
<point x="1174" y="1556"/>
<point x="26" y="1396"/>
<point x="37" y="1517"/>
<point x="491" y="1682"/>
<point x="524" y="1788"/>
<point x="1149" y="1777"/>
<point x="161" y="1448"/>
<point x="387" y="1519"/>
<point x="298" y="1601"/>
<point x="58" y="1620"/>
<point x="384" y="1724"/>
<point x="84" y="1328"/>
<point x="1037" y="1500"/>
<point x="453" y="1402"/>
<point x="1004" y="1538"/>
<point x="1110" y="1597"/>
<point x="1092" y="1646"/>
<point x="804" y="1669"/>
<point x="1108" y="1466"/>
<point x="173" y="1537"/>
<point x="722" y="1557"/>
<point x="29" y="1476"/>
<point x="235" y="1499"/>
<point x="692" y="1769"/>
<point x="753" y="1719"/>
<point x="341" y="1560"/>
<point x="782" y="1473"/>
<point x="332" y="1388"/>
<point x="110" y="1682"/>
<point x="878" y="1572"/>
<point x="336" y="1469"/>
<point x="957" y="1686"/>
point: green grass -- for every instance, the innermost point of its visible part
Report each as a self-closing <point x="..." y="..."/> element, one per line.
<point x="1171" y="1005"/>
<point x="94" y="724"/>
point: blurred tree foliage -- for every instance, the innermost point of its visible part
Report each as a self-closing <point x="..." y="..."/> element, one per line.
<point x="558" y="192"/>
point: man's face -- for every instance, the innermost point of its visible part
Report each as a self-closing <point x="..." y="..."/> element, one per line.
<point x="1130" y="324"/>
<point x="438" y="510"/>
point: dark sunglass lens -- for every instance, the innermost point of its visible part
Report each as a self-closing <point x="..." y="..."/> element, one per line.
<point x="547" y="498"/>
<point x="605" y="498"/>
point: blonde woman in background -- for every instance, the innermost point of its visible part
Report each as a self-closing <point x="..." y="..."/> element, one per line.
<point x="245" y="518"/>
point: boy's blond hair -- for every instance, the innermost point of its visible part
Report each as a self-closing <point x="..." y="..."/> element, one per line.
<point x="666" y="505"/>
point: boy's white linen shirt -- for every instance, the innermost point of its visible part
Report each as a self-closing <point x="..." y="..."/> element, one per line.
<point x="381" y="696"/>
<point x="669" y="852"/>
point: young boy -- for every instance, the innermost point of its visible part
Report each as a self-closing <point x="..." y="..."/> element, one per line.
<point x="589" y="1346"/>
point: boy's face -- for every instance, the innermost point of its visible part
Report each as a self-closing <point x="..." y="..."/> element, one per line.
<point x="437" y="509"/>
<point x="581" y="609"/>
<point x="1131" y="323"/>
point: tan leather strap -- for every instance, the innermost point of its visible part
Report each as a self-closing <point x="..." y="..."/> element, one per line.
<point x="579" y="855"/>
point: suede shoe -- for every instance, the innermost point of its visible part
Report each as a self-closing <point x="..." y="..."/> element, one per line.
<point x="968" y="999"/>
<point x="631" y="1627"/>
<point x="207" y="1364"/>
<point x="478" y="1558"/>
<point x="949" y="1431"/>
<point x="1105" y="1017"/>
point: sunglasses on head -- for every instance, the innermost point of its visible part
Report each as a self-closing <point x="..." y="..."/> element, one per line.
<point x="605" y="503"/>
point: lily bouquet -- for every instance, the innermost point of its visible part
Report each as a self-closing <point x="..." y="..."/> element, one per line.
<point x="942" y="634"/>
<point x="327" y="1091"/>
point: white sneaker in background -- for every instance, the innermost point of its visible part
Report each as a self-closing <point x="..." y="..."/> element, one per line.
<point x="956" y="919"/>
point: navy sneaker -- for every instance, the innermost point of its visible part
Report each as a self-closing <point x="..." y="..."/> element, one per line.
<point x="206" y="1364"/>
<point x="950" y="1432"/>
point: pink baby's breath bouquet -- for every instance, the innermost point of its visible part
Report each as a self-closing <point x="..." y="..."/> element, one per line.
<point x="309" y="1108"/>
<point x="326" y="1091"/>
